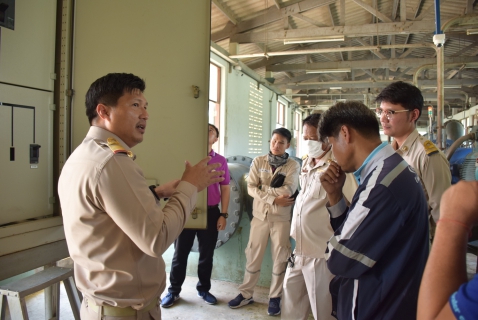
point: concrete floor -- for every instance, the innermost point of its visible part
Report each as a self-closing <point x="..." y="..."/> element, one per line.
<point x="190" y="306"/>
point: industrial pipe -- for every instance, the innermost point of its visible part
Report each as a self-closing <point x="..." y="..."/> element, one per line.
<point x="460" y="20"/>
<point x="440" y="66"/>
<point x="440" y="94"/>
<point x="434" y="66"/>
<point x="457" y="143"/>
<point x="437" y="17"/>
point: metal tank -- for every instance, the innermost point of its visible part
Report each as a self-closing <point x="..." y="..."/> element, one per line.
<point x="239" y="202"/>
<point x="454" y="129"/>
<point x="463" y="161"/>
<point x="469" y="167"/>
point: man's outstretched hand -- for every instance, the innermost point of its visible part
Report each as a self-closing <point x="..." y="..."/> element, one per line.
<point x="202" y="174"/>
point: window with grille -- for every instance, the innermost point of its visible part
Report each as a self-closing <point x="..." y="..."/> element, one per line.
<point x="280" y="114"/>
<point x="255" y="118"/>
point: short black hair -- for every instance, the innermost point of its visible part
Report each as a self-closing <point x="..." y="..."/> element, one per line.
<point x="108" y="89"/>
<point x="283" y="132"/>
<point x="405" y="94"/>
<point x="353" y="114"/>
<point x="215" y="128"/>
<point x="312" y="120"/>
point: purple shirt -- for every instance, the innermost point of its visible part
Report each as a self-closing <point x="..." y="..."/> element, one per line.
<point x="214" y="190"/>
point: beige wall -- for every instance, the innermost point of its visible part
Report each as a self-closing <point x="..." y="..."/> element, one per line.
<point x="169" y="48"/>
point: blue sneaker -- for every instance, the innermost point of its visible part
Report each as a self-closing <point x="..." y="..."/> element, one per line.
<point x="207" y="297"/>
<point x="240" y="301"/>
<point x="169" y="299"/>
<point x="274" y="307"/>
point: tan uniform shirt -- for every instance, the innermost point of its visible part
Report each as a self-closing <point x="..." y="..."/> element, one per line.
<point x="115" y="228"/>
<point x="258" y="187"/>
<point x="311" y="227"/>
<point x="430" y="165"/>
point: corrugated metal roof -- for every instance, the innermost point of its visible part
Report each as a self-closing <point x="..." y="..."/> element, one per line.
<point x="261" y="27"/>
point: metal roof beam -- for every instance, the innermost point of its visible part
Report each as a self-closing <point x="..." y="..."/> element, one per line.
<point x="375" y="52"/>
<point x="373" y="11"/>
<point x="225" y="33"/>
<point x="469" y="6"/>
<point x="225" y="11"/>
<point x="347" y="31"/>
<point x="373" y="84"/>
<point x="368" y="64"/>
<point x="273" y="14"/>
<point x="309" y="20"/>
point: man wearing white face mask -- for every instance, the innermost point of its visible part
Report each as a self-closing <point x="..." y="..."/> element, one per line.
<point x="306" y="282"/>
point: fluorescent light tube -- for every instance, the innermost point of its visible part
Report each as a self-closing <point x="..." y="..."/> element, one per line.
<point x="312" y="40"/>
<point x="329" y="70"/>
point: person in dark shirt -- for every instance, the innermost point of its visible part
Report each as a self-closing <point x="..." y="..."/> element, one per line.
<point x="380" y="243"/>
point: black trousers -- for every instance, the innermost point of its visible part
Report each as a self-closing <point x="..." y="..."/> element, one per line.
<point x="207" y="243"/>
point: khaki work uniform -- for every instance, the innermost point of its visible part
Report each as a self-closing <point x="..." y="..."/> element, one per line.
<point x="115" y="228"/>
<point x="306" y="284"/>
<point x="269" y="220"/>
<point x="432" y="168"/>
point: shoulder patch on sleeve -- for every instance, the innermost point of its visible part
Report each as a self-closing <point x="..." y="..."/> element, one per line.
<point x="116" y="147"/>
<point x="430" y="147"/>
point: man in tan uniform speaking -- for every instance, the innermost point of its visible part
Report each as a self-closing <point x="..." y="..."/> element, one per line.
<point x="400" y="107"/>
<point x="115" y="228"/>
<point x="272" y="179"/>
<point x="307" y="279"/>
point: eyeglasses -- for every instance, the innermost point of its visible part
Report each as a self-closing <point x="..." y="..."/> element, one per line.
<point x="388" y="113"/>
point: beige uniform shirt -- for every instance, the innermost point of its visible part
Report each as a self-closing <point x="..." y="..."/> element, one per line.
<point x="311" y="227"/>
<point x="115" y="228"/>
<point x="430" y="165"/>
<point x="258" y="187"/>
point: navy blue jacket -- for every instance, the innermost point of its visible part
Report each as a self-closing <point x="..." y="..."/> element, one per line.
<point x="380" y="246"/>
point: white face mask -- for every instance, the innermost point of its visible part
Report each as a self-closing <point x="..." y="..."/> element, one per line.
<point x="314" y="148"/>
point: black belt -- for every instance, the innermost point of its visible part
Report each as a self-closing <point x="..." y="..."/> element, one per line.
<point x="212" y="207"/>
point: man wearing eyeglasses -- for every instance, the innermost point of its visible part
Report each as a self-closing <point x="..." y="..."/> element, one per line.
<point x="400" y="107"/>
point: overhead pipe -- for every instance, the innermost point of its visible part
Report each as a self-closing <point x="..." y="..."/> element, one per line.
<point x="437" y="17"/>
<point x="440" y="66"/>
<point x="467" y="19"/>
<point x="434" y="66"/>
<point x="439" y="41"/>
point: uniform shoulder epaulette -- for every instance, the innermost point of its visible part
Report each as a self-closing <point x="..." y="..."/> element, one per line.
<point x="116" y="147"/>
<point x="305" y="156"/>
<point x="430" y="147"/>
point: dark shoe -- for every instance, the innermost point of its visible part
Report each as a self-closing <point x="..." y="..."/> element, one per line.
<point x="207" y="297"/>
<point x="274" y="307"/>
<point x="240" y="301"/>
<point x="168" y="300"/>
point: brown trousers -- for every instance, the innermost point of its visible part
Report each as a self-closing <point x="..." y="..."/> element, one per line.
<point x="89" y="314"/>
<point x="279" y="232"/>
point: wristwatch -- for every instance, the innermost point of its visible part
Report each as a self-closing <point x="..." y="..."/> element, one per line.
<point x="224" y="214"/>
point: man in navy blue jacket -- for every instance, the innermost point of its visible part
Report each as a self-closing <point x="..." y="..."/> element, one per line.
<point x="380" y="245"/>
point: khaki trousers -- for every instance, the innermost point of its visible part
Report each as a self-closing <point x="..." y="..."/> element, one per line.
<point x="87" y="313"/>
<point x="278" y="231"/>
<point x="306" y="289"/>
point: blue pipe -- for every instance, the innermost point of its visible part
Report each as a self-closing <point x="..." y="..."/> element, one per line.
<point x="437" y="17"/>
